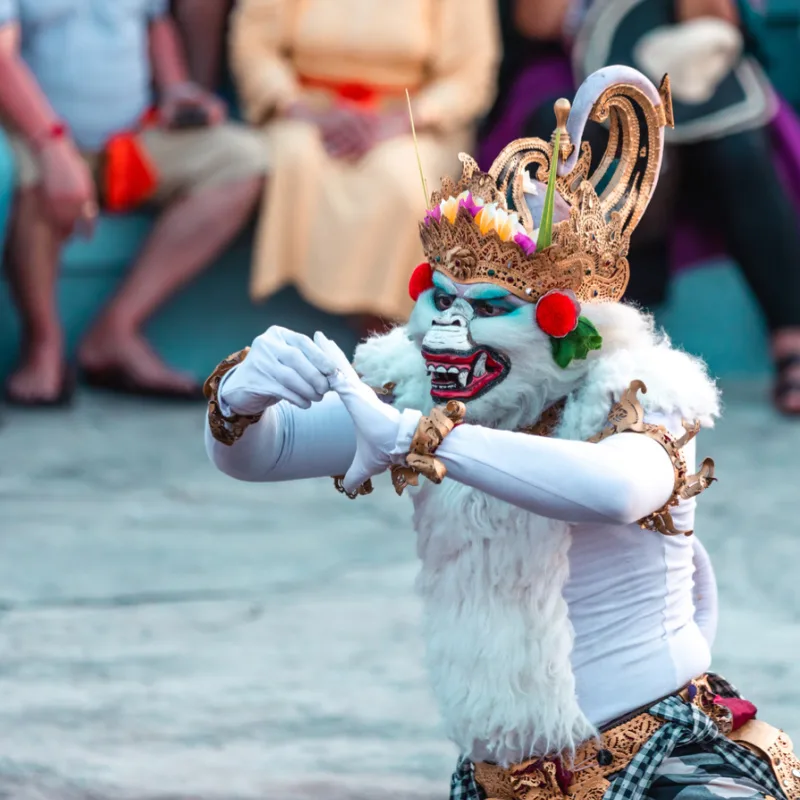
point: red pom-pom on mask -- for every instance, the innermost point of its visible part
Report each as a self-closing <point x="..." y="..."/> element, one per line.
<point x="421" y="280"/>
<point x="557" y="313"/>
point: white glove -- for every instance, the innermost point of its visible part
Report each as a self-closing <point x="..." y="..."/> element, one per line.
<point x="383" y="434"/>
<point x="696" y="55"/>
<point x="281" y="365"/>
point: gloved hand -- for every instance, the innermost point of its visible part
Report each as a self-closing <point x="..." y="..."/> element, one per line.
<point x="383" y="434"/>
<point x="697" y="55"/>
<point x="281" y="365"/>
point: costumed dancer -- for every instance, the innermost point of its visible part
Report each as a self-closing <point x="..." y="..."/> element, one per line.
<point x="546" y="434"/>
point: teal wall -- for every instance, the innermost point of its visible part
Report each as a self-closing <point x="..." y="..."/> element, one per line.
<point x="6" y="183"/>
<point x="779" y="36"/>
<point x="712" y="313"/>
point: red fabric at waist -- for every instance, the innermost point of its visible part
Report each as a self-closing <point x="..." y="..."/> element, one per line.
<point x="361" y="94"/>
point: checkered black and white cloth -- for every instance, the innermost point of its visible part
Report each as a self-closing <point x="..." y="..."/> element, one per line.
<point x="685" y="725"/>
<point x="463" y="786"/>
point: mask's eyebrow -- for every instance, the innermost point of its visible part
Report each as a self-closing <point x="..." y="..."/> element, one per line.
<point x="485" y="291"/>
<point x="475" y="291"/>
<point x="444" y="283"/>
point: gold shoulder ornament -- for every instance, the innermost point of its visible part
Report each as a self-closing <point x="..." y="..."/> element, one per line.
<point x="627" y="416"/>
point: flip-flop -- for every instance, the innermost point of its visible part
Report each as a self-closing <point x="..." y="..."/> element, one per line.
<point x="64" y="398"/>
<point x="119" y="379"/>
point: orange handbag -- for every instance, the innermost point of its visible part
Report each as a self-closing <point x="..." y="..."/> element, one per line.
<point x="128" y="178"/>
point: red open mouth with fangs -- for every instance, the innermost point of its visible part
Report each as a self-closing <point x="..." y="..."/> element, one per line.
<point x="460" y="375"/>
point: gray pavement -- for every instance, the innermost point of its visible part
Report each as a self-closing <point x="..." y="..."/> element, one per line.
<point x="166" y="632"/>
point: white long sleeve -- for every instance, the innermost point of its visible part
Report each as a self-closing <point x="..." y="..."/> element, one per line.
<point x="705" y="593"/>
<point x="619" y="480"/>
<point x="290" y="443"/>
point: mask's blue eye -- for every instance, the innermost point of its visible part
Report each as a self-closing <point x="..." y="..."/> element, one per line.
<point x="442" y="300"/>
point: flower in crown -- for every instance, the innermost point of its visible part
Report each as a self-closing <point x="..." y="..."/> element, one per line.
<point x="557" y="312"/>
<point x="487" y="216"/>
<point x="449" y="208"/>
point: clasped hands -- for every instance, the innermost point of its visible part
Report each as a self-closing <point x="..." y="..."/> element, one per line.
<point x="349" y="133"/>
<point x="285" y="365"/>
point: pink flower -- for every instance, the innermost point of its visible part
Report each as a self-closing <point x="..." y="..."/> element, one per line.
<point x="526" y="243"/>
<point x="469" y="203"/>
<point x="433" y="213"/>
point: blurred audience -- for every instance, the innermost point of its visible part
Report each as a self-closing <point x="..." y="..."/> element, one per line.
<point x="75" y="96"/>
<point x="326" y="82"/>
<point x="203" y="25"/>
<point x="720" y="174"/>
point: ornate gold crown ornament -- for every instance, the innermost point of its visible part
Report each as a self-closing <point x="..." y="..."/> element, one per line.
<point x="481" y="229"/>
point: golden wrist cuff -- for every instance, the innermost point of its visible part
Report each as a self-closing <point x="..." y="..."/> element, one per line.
<point x="430" y="433"/>
<point x="226" y="430"/>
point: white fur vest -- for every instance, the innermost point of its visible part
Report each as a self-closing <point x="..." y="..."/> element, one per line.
<point x="497" y="630"/>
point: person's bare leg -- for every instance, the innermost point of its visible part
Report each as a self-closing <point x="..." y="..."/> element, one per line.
<point x="187" y="237"/>
<point x="33" y="255"/>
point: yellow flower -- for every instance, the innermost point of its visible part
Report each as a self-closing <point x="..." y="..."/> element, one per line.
<point x="505" y="224"/>
<point x="490" y="217"/>
<point x="450" y="209"/>
<point x="485" y="218"/>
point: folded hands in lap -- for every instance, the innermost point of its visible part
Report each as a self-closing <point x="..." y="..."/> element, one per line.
<point x="350" y="133"/>
<point x="182" y="98"/>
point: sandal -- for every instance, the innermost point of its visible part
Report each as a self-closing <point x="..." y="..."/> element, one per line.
<point x="62" y="399"/>
<point x="786" y="383"/>
<point x="119" y="379"/>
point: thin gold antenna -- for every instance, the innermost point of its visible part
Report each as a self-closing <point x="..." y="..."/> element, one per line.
<point x="416" y="150"/>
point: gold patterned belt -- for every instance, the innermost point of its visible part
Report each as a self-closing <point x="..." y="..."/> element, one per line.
<point x="586" y="777"/>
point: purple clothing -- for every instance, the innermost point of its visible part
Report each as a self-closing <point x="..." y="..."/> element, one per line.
<point x="549" y="77"/>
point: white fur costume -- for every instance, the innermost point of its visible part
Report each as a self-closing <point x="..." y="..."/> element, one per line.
<point x="548" y="610"/>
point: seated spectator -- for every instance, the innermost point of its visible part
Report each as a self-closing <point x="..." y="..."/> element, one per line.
<point x="75" y="94"/>
<point x="718" y="162"/>
<point x="203" y="24"/>
<point x="326" y="82"/>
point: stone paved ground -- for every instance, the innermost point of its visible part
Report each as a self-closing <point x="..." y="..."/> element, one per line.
<point x="168" y="633"/>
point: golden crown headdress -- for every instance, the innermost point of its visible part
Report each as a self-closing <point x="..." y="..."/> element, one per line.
<point x="482" y="228"/>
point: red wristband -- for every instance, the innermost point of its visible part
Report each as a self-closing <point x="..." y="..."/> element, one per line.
<point x="54" y="132"/>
